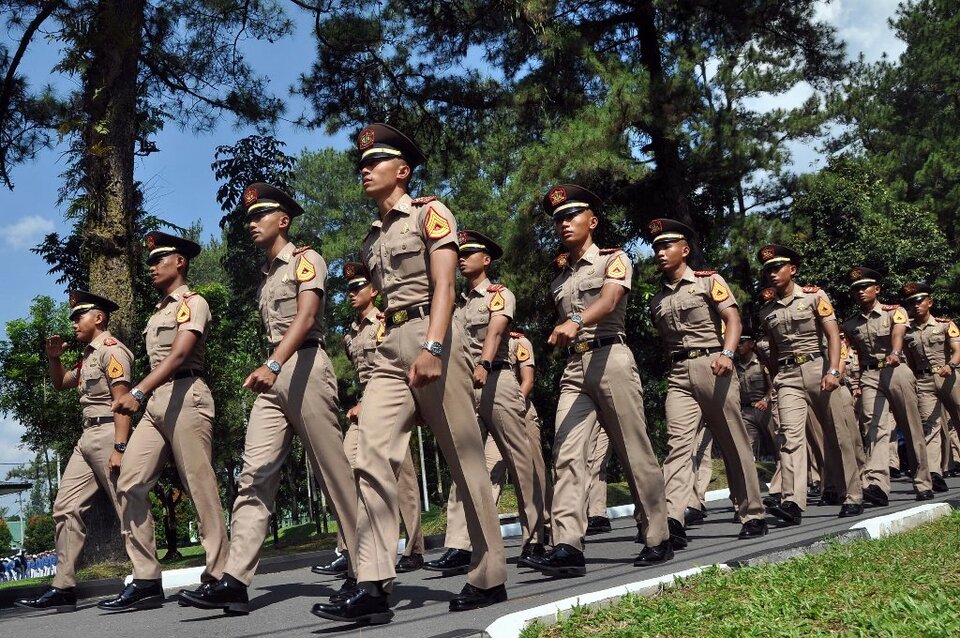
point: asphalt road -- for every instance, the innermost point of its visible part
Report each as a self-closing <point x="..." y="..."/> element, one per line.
<point x="281" y="601"/>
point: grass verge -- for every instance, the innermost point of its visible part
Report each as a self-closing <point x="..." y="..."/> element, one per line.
<point x="904" y="585"/>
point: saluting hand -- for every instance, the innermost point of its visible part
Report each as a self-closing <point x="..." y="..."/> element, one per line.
<point x="564" y="334"/>
<point x="722" y="365"/>
<point x="425" y="370"/>
<point x="261" y="379"/>
<point x="55" y="347"/>
<point x="125" y="405"/>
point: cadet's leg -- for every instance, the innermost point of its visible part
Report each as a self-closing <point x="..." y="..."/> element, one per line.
<point x="599" y="459"/>
<point x="408" y="494"/>
<point x="576" y="418"/>
<point x="931" y="415"/>
<point x="702" y="468"/>
<point x="78" y="486"/>
<point x="902" y="393"/>
<point x="874" y="407"/>
<point x="683" y="421"/>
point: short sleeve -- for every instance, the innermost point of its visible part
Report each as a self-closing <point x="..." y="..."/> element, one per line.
<point x="524" y="353"/>
<point x="438" y="225"/>
<point x="502" y="303"/>
<point x="309" y="271"/>
<point x="117" y="364"/>
<point x="73" y="375"/>
<point x="719" y="293"/>
<point x="618" y="270"/>
<point x="953" y="332"/>
<point x="823" y="307"/>
<point x="196" y="317"/>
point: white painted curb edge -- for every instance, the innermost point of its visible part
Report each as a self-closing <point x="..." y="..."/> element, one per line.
<point x="511" y="625"/>
<point x="902" y="521"/>
<point x="624" y="511"/>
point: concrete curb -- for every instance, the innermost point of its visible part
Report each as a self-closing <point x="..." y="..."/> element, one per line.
<point x="511" y="625"/>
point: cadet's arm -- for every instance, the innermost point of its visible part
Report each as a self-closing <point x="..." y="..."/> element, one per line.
<point x="121" y="422"/>
<point x="183" y="345"/>
<point x="526" y="381"/>
<point x="610" y="296"/>
<point x="308" y="305"/>
<point x="443" y="268"/>
<point x="495" y="329"/>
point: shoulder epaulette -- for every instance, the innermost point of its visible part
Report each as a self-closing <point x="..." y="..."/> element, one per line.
<point x="767" y="294"/>
<point x="302" y="249"/>
<point x="811" y="289"/>
<point x="704" y="273"/>
<point x="426" y="199"/>
<point x="495" y="287"/>
<point x="188" y="294"/>
<point x="110" y="341"/>
<point x="516" y="335"/>
<point x="610" y="251"/>
<point x="942" y="320"/>
<point x="889" y="306"/>
<point x="562" y="260"/>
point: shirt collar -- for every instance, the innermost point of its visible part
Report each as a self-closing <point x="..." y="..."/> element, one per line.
<point x="688" y="276"/>
<point x="371" y="317"/>
<point x="481" y="288"/>
<point x="285" y="254"/>
<point x="175" y="295"/>
<point x="99" y="339"/>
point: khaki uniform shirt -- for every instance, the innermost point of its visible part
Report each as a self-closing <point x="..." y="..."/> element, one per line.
<point x="687" y="313"/>
<point x="928" y="345"/>
<point x="290" y="273"/>
<point x="521" y="353"/>
<point x="361" y="342"/>
<point x="795" y="323"/>
<point x="105" y="362"/>
<point x="474" y="310"/>
<point x="180" y="310"/>
<point x="398" y="246"/>
<point x="870" y="333"/>
<point x="753" y="380"/>
<point x="851" y="371"/>
<point x="579" y="284"/>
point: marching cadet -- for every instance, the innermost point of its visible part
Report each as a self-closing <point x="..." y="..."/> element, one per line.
<point x="524" y="365"/>
<point x="102" y="375"/>
<point x="177" y="421"/>
<point x="932" y="345"/>
<point x="600" y="383"/>
<point x="877" y="332"/>
<point x="423" y="367"/>
<point x="485" y="310"/>
<point x="698" y="321"/>
<point x="754" y="394"/>
<point x="360" y="343"/>
<point x="296" y="394"/>
<point x="797" y="320"/>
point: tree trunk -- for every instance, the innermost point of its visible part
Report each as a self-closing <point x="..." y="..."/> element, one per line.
<point x="110" y="132"/>
<point x="104" y="541"/>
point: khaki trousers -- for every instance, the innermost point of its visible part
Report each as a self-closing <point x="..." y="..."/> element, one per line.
<point x="799" y="394"/>
<point x="389" y="413"/>
<point x="457" y="535"/>
<point x="599" y="459"/>
<point x="758" y="428"/>
<point x="408" y="495"/>
<point x="953" y="461"/>
<point x="939" y="399"/>
<point x="896" y="388"/>
<point x="178" y="422"/>
<point x="87" y="472"/>
<point x="603" y="385"/>
<point x="303" y="401"/>
<point x="531" y="421"/>
<point x="702" y="468"/>
<point x="695" y="394"/>
<point x="501" y="413"/>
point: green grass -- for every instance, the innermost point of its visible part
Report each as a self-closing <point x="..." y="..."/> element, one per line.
<point x="905" y="585"/>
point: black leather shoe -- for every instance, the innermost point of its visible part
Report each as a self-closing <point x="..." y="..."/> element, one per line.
<point x="471" y="597"/>
<point x="850" y="509"/>
<point x="360" y="607"/>
<point x="788" y="512"/>
<point x="531" y="555"/>
<point x="598" y="525"/>
<point x="199" y="590"/>
<point x="771" y="500"/>
<point x="875" y="496"/>
<point x="410" y="563"/>
<point x="453" y="561"/>
<point x="140" y="594"/>
<point x="830" y="498"/>
<point x="925" y="495"/>
<point x="754" y="528"/>
<point x="346" y="590"/>
<point x="939" y="485"/>
<point x="654" y="555"/>
<point x="337" y="566"/>
<point x="814" y="490"/>
<point x="562" y="560"/>
<point x="639" y="537"/>
<point x="678" y="537"/>
<point x="228" y="594"/>
<point x="895" y="472"/>
<point x="693" y="515"/>
<point x="53" y="598"/>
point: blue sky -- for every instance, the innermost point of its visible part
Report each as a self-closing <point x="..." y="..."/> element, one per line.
<point x="180" y="186"/>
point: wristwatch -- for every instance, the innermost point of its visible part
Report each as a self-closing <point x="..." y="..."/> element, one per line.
<point x="576" y="318"/>
<point x="273" y="365"/>
<point x="834" y="372"/>
<point x="898" y="354"/>
<point x="730" y="354"/>
<point x="120" y="447"/>
<point x="433" y="347"/>
<point x="138" y="394"/>
<point x="954" y="366"/>
<point x="486" y="365"/>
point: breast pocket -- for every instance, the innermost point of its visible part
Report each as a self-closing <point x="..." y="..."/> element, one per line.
<point x="803" y="320"/>
<point x="588" y="290"/>
<point x="694" y="309"/>
<point x="284" y="302"/>
<point x="406" y="256"/>
<point x="164" y="331"/>
<point x="93" y="381"/>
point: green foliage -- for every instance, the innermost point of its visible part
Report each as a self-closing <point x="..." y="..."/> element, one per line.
<point x="39" y="535"/>
<point x="6" y="538"/>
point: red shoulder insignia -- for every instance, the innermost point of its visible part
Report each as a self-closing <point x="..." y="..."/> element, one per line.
<point x="562" y="260"/>
<point x="609" y="251"/>
<point x="704" y="273"/>
<point x="110" y="341"/>
<point x="426" y="199"/>
<point x="495" y="287"/>
<point x="811" y="289"/>
<point x="516" y="335"/>
<point x="768" y="293"/>
<point x="889" y="306"/>
<point x="302" y="249"/>
<point x="188" y="294"/>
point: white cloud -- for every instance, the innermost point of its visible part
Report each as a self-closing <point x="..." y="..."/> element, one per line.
<point x="27" y="232"/>
<point x="864" y="26"/>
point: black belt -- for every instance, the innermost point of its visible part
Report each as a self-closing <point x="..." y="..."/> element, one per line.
<point x="185" y="374"/>
<point x="925" y="372"/>
<point x="798" y="359"/>
<point x="401" y="317"/>
<point x="503" y="365"/>
<point x="98" y="420"/>
<point x="874" y="365"/>
<point x="310" y="343"/>
<point x="600" y="342"/>
<point x="694" y="353"/>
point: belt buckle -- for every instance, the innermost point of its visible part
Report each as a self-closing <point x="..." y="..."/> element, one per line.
<point x="400" y="317"/>
<point x="801" y="359"/>
<point x="881" y="365"/>
<point x="693" y="354"/>
<point x="581" y="346"/>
